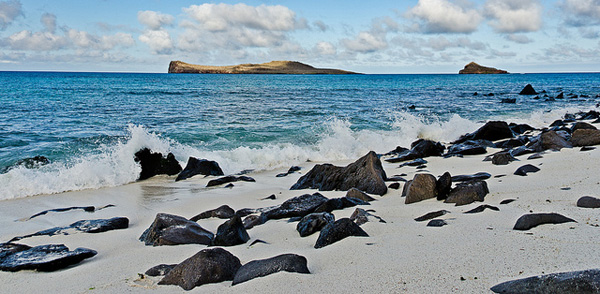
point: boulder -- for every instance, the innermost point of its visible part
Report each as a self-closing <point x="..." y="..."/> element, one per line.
<point x="85" y="226"/>
<point x="528" y="90"/>
<point x="168" y="229"/>
<point x="361" y="216"/>
<point x="443" y="185"/>
<point x="197" y="166"/>
<point x="159" y="270"/>
<point x="419" y="149"/>
<point x="155" y="164"/>
<point x="339" y="203"/>
<point x="259" y="268"/>
<point x="297" y="206"/>
<point x="229" y="179"/>
<point x="337" y="231"/>
<point x="467" y="193"/>
<point x="585" y="137"/>
<point x="254" y="220"/>
<point x="549" y="140"/>
<point x="231" y="233"/>
<point x="474" y="177"/>
<point x="469" y="147"/>
<point x="313" y="223"/>
<point x="588" y="202"/>
<point x="520" y="128"/>
<point x="223" y="212"/>
<point x="587" y="281"/>
<point x="358" y="194"/>
<point x="502" y="158"/>
<point x="422" y="186"/>
<point x="212" y="265"/>
<point x="491" y="131"/>
<point x="366" y="174"/>
<point x="431" y="215"/>
<point x="582" y="126"/>
<point x="533" y="220"/>
<point x="46" y="258"/>
<point x="524" y="170"/>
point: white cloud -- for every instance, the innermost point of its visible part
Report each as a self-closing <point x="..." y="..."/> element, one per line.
<point x="443" y="16"/>
<point x="9" y="11"/>
<point x="82" y="39"/>
<point x="159" y="41"/>
<point x="365" y="42"/>
<point x="36" y="41"/>
<point x="514" y="16"/>
<point x="154" y="20"/>
<point x="325" y="48"/>
<point x="582" y="12"/>
<point x="520" y="39"/>
<point x="49" y="22"/>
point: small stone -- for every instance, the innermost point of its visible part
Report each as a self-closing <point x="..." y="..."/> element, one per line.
<point x="394" y="186"/>
<point x="524" y="170"/>
<point x="437" y="223"/>
<point x="529" y="221"/>
<point x="231" y="233"/>
<point x="431" y="215"/>
<point x="588" y="202"/>
<point x="481" y="208"/>
<point x="507" y="201"/>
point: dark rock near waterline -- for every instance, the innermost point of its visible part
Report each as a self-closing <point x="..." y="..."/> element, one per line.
<point x="292" y="263"/>
<point x="197" y="166"/>
<point x="550" y="140"/>
<point x="291" y="170"/>
<point x="585" y="137"/>
<point x="30" y="163"/>
<point x="416" y="162"/>
<point x="155" y="164"/>
<point x="578" y="282"/>
<point x="223" y="212"/>
<point x="588" y="202"/>
<point x="470" y="147"/>
<point x="212" y="265"/>
<point x="85" y="226"/>
<point x="561" y="95"/>
<point x="297" y="206"/>
<point x="520" y="128"/>
<point x="365" y="174"/>
<point x="473" y="177"/>
<point x="419" y="149"/>
<point x="358" y="194"/>
<point x="231" y="233"/>
<point x="512" y="143"/>
<point x="507" y="201"/>
<point x="339" y="203"/>
<point x="524" y="170"/>
<point x="502" y="158"/>
<point x="491" y="131"/>
<point x="64" y="209"/>
<point x="254" y="220"/>
<point x="592" y="114"/>
<point x="468" y="192"/>
<point x="159" y="270"/>
<point x="337" y="231"/>
<point x="437" y="223"/>
<point x="529" y="221"/>
<point x="422" y="186"/>
<point x="168" y="229"/>
<point x="521" y="150"/>
<point x="229" y="179"/>
<point x="582" y="126"/>
<point x="313" y="223"/>
<point x="481" y="208"/>
<point x="508" y="100"/>
<point x="361" y="216"/>
<point x="431" y="215"/>
<point x="46" y="258"/>
<point x="528" y="90"/>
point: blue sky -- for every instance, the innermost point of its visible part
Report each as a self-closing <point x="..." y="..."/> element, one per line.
<point x="419" y="36"/>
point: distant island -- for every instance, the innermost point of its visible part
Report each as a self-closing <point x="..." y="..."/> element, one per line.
<point x="273" y="67"/>
<point x="474" y="68"/>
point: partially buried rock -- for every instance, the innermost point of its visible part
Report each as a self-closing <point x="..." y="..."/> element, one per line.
<point x="469" y="147"/>
<point x="231" y="233"/>
<point x="313" y="223"/>
<point x="422" y="186"/>
<point x="587" y="281"/>
<point x="481" y="208"/>
<point x="254" y="220"/>
<point x="416" y="162"/>
<point x="337" y="231"/>
<point x="52" y="257"/>
<point x="297" y="206"/>
<point x="394" y="186"/>
<point x="437" y="223"/>
<point x="339" y="203"/>
<point x="365" y="174"/>
<point x="159" y="270"/>
<point x="549" y="140"/>
<point x="259" y="268"/>
<point x="507" y="201"/>
<point x="533" y="220"/>
<point x="528" y="90"/>
<point x="585" y="137"/>
<point x="502" y="158"/>
<point x="168" y="229"/>
<point x="358" y="194"/>
<point x="468" y="192"/>
<point x="197" y="166"/>
<point x="491" y="131"/>
<point x="155" y="164"/>
<point x="419" y="149"/>
<point x="524" y="170"/>
<point x="431" y="215"/>
<point x="223" y="212"/>
<point x="473" y="177"/>
<point x="361" y="216"/>
<point x="85" y="226"/>
<point x="588" y="202"/>
<point x="213" y="265"/>
<point x="229" y="179"/>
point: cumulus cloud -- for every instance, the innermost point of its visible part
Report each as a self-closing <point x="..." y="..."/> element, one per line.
<point x="9" y="11"/>
<point x="154" y="20"/>
<point x="582" y="12"/>
<point x="374" y="39"/>
<point x="36" y="41"/>
<point x="325" y="48"/>
<point x="514" y="16"/>
<point x="443" y="16"/>
<point x="159" y="41"/>
<point x="49" y="22"/>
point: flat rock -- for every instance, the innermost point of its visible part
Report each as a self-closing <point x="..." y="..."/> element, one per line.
<point x="313" y="223"/>
<point x="585" y="137"/>
<point x="474" y="177"/>
<point x="159" y="270"/>
<point x="197" y="166"/>
<point x="339" y="203"/>
<point x="231" y="233"/>
<point x="578" y="282"/>
<point x="85" y="226"/>
<point x="524" y="170"/>
<point x="212" y="265"/>
<point x="168" y="229"/>
<point x="155" y="164"/>
<point x="229" y="179"/>
<point x="365" y="174"/>
<point x="297" y="206"/>
<point x="292" y="263"/>
<point x="44" y="258"/>
<point x="507" y="201"/>
<point x="533" y="220"/>
<point x="337" y="231"/>
<point x="481" y="208"/>
<point x="469" y="147"/>
<point x="437" y="223"/>
<point x="468" y="192"/>
<point x="64" y="209"/>
<point x="223" y="212"/>
<point x="588" y="202"/>
<point x="422" y="186"/>
<point x="416" y="162"/>
<point x="358" y="194"/>
<point x="431" y="215"/>
<point x="361" y="217"/>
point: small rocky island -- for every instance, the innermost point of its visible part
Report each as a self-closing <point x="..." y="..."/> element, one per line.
<point x="474" y="68"/>
<point x="273" y="67"/>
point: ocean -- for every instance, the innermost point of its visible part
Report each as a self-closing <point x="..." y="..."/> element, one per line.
<point x="89" y="125"/>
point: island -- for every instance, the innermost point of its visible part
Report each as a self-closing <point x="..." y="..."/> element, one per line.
<point x="474" y="68"/>
<point x="273" y="67"/>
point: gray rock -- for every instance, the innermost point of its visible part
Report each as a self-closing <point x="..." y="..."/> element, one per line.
<point x="223" y="212"/>
<point x="502" y="158"/>
<point x="313" y="223"/>
<point x="549" y="140"/>
<point x="197" y="166"/>
<point x="578" y="282"/>
<point x="533" y="220"/>
<point x="422" y="186"/>
<point x="585" y="137"/>
<point x="358" y="194"/>
<point x="44" y="258"/>
<point x="431" y="215"/>
<point x="588" y="202"/>
<point x="337" y="231"/>
<point x="582" y="126"/>
<point x="159" y="270"/>
<point x="524" y="170"/>
<point x="231" y="233"/>
<point x="259" y="268"/>
<point x="168" y="229"/>
<point x="297" y="206"/>
<point x="467" y="193"/>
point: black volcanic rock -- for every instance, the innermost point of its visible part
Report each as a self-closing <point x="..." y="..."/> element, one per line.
<point x="313" y="223"/>
<point x="470" y="147"/>
<point x="443" y="186"/>
<point x="337" y="231"/>
<point x="292" y="263"/>
<point x="431" y="215"/>
<point x="297" y="206"/>
<point x="229" y="179"/>
<point x="419" y="149"/>
<point x="588" y="202"/>
<point x="231" y="233"/>
<point x="473" y="177"/>
<point x="587" y="281"/>
<point x="524" y="170"/>
<point x="197" y="166"/>
<point x="168" y="229"/>
<point x="223" y="212"/>
<point x="85" y="226"/>
<point x="481" y="208"/>
<point x="155" y="164"/>
<point x="468" y="192"/>
<point x="290" y="171"/>
<point x="491" y="131"/>
<point x="437" y="223"/>
<point x="358" y="194"/>
<point x="339" y="203"/>
<point x="159" y="270"/>
<point x="533" y="220"/>
<point x="46" y="258"/>
<point x="528" y="90"/>
<point x="361" y="216"/>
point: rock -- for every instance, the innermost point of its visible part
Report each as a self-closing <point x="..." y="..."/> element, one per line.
<point x="550" y="140"/>
<point x="290" y="171"/>
<point x="422" y="186"/>
<point x="394" y="186"/>
<point x="254" y="220"/>
<point x="582" y="126"/>
<point x="313" y="223"/>
<point x="557" y="123"/>
<point x="84" y="208"/>
<point x="155" y="164"/>
<point x="512" y="143"/>
<point x="361" y="216"/>
<point x="592" y="114"/>
<point x="259" y="268"/>
<point x="420" y="149"/>
<point x="271" y="197"/>
<point x="46" y="258"/>
<point x="587" y="148"/>
<point x="535" y="156"/>
<point x="366" y="174"/>
<point x="469" y="147"/>
<point x="431" y="215"/>
<point x="588" y="202"/>
<point x="297" y="206"/>
<point x="522" y="150"/>
<point x="528" y="90"/>
<point x="229" y="179"/>
<point x="474" y="68"/>
<point x="231" y="233"/>
<point x="437" y="223"/>
<point x="491" y="131"/>
<point x="520" y="128"/>
<point x="468" y="192"/>
<point x="337" y="231"/>
<point x="533" y="220"/>
<point x="416" y="162"/>
<point x="508" y="100"/>
<point x="524" y="170"/>
<point x="223" y="212"/>
<point x="168" y="229"/>
<point x="339" y="203"/>
<point x="443" y="186"/>
<point x="481" y="208"/>
<point x="212" y="265"/>
<point x="85" y="226"/>
<point x="587" y="281"/>
<point x="159" y="270"/>
<point x="29" y="163"/>
<point x="358" y="194"/>
<point x="561" y="95"/>
<point x="507" y="201"/>
<point x="502" y="158"/>
<point x="473" y="177"/>
<point x="585" y="137"/>
<point x="199" y="167"/>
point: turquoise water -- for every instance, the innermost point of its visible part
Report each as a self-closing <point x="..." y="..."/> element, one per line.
<point x="90" y="124"/>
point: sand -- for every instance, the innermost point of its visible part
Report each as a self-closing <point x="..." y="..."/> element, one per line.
<point x="469" y="255"/>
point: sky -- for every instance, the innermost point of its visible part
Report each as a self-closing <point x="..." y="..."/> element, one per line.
<point x="416" y="36"/>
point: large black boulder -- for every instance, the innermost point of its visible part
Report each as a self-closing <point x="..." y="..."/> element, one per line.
<point x="578" y="282"/>
<point x="259" y="268"/>
<point x="313" y="223"/>
<point x="197" y="166"/>
<point x="296" y="207"/>
<point x="339" y="203"/>
<point x="168" y="229"/>
<point x="45" y="258"/>
<point x="443" y="185"/>
<point x="528" y="90"/>
<point x="155" y="164"/>
<point x="337" y="231"/>
<point x="419" y="149"/>
<point x="365" y="174"/>
<point x="212" y="265"/>
<point x="491" y="131"/>
<point x="231" y="233"/>
<point x="533" y="220"/>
